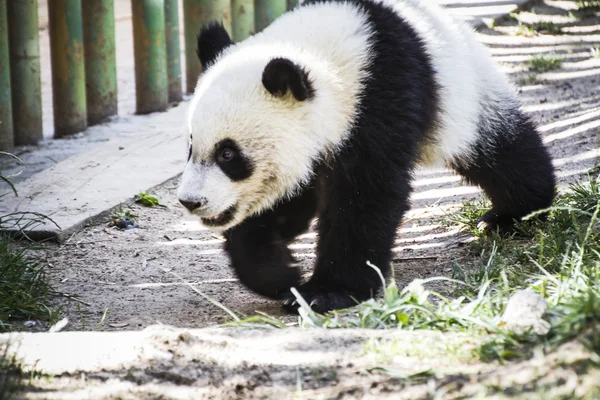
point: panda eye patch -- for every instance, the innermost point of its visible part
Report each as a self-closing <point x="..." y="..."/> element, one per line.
<point x="231" y="159"/>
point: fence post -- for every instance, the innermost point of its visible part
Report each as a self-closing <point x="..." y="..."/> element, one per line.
<point x="173" y="49"/>
<point x="151" y="85"/>
<point x="68" y="67"/>
<point x="242" y="19"/>
<point x="267" y="11"/>
<point x="291" y="4"/>
<point x="6" y="125"/>
<point x="100" y="59"/>
<point x="197" y="13"/>
<point x="25" y="71"/>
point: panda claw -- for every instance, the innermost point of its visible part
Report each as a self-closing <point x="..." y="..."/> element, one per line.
<point x="289" y="302"/>
<point x="482" y="226"/>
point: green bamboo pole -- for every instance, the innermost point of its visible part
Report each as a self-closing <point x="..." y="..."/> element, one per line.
<point x="291" y="4"/>
<point x="242" y="19"/>
<point x="6" y="125"/>
<point x="26" y="84"/>
<point x="267" y="11"/>
<point x="197" y="13"/>
<point x="173" y="49"/>
<point x="151" y="83"/>
<point x="100" y="59"/>
<point x="68" y="67"/>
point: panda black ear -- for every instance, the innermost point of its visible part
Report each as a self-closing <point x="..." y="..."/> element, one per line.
<point x="212" y="40"/>
<point x="281" y="75"/>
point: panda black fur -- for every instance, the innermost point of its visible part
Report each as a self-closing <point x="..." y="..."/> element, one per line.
<point x="325" y="114"/>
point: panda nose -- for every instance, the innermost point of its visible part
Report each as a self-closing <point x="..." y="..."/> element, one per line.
<point x="194" y="205"/>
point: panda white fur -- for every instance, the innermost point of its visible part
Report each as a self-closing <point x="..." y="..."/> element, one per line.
<point x="325" y="114"/>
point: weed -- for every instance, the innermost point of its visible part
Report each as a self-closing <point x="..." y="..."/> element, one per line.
<point x="588" y="8"/>
<point x="544" y="62"/>
<point x="530" y="79"/>
<point x="588" y="4"/>
<point x="547" y="27"/>
<point x="595" y="52"/>
<point x="81" y="316"/>
<point x="524" y="30"/>
<point x="121" y="213"/>
<point x="101" y="324"/>
<point x="146" y="199"/>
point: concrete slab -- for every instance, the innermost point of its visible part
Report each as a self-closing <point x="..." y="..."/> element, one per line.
<point x="111" y="163"/>
<point x="147" y="152"/>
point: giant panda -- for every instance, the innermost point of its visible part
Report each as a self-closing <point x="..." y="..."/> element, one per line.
<point x="325" y="114"/>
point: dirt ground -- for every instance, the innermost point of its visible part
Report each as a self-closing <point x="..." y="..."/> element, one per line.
<point x="129" y="280"/>
<point x="240" y="363"/>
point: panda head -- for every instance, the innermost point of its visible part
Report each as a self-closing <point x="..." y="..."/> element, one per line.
<point x="251" y="129"/>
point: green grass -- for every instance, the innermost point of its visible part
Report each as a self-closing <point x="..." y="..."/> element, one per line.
<point x="536" y="28"/>
<point x="588" y="4"/>
<point x="24" y="291"/>
<point x="595" y="52"/>
<point x="531" y="79"/>
<point x="547" y="27"/>
<point x="525" y="30"/>
<point x="587" y="8"/>
<point x="544" y="63"/>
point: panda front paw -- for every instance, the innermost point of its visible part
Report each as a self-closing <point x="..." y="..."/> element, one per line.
<point x="322" y="301"/>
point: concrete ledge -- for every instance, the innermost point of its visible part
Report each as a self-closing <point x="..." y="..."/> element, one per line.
<point x="148" y="151"/>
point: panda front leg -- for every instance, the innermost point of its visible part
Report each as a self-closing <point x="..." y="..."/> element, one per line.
<point x="357" y="223"/>
<point x="257" y="248"/>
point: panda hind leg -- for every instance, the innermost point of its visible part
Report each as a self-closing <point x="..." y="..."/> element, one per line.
<point x="514" y="169"/>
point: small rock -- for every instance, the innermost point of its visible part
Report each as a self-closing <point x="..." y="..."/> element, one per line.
<point x="524" y="313"/>
<point x="126" y="223"/>
<point x="29" y="324"/>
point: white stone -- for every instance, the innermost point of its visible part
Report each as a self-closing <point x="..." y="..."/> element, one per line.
<point x="524" y="312"/>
